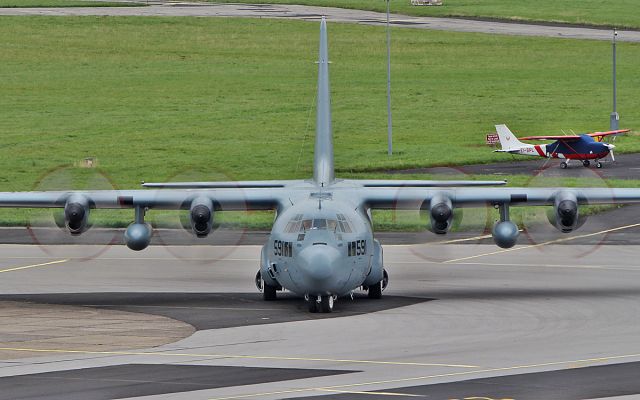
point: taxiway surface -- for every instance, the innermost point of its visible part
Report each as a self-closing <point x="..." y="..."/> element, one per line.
<point x="311" y="13"/>
<point x="457" y="321"/>
<point x="626" y="166"/>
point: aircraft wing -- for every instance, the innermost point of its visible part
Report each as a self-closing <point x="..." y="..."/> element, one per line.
<point x="413" y="198"/>
<point x="564" y="138"/>
<point x="600" y="135"/>
<point x="569" y="138"/>
<point x="168" y="199"/>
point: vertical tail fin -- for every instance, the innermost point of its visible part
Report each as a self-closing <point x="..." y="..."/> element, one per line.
<point x="508" y="140"/>
<point x="323" y="153"/>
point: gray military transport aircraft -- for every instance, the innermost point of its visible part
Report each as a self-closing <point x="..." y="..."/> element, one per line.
<point x="321" y="244"/>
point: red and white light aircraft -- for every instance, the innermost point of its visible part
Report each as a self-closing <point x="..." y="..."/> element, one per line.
<point x="584" y="147"/>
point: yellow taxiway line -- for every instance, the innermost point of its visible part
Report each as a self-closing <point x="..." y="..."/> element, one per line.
<point x="570" y="364"/>
<point x="369" y="393"/>
<point x="542" y="244"/>
<point x="277" y="358"/>
<point x="34" y="265"/>
<point x="344" y="387"/>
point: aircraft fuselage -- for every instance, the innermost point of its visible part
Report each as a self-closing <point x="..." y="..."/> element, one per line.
<point x="321" y="246"/>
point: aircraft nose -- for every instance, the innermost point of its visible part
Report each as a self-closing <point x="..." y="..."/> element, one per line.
<point x="317" y="264"/>
<point x="610" y="146"/>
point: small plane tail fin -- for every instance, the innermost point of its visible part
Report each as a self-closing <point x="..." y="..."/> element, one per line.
<point x="508" y="140"/>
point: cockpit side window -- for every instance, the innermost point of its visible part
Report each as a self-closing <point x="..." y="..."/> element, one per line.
<point x="343" y="223"/>
<point x="294" y="224"/>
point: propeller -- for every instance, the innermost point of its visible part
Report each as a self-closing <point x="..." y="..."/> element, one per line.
<point x="611" y="147"/>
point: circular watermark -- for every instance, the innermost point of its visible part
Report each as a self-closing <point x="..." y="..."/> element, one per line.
<point x="46" y="226"/>
<point x="173" y="231"/>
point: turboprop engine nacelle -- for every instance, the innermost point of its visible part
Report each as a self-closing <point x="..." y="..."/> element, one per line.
<point x="565" y="216"/>
<point x="201" y="216"/>
<point x="76" y="214"/>
<point x="440" y="214"/>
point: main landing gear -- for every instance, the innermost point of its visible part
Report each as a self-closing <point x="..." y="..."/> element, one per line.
<point x="269" y="293"/>
<point x="585" y="163"/>
<point x="375" y="291"/>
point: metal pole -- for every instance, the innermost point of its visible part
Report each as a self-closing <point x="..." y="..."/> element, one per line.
<point x="614" y="121"/>
<point x="389" y="119"/>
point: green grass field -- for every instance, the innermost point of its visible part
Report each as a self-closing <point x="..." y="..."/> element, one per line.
<point x="618" y="13"/>
<point x="160" y="99"/>
<point x="63" y="3"/>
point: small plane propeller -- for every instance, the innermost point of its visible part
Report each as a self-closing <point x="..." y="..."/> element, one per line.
<point x="611" y="147"/>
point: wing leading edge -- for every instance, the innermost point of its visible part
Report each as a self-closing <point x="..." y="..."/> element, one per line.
<point x="567" y="138"/>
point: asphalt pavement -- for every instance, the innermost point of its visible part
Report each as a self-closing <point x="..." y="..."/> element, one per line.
<point x="626" y="166"/>
<point x="312" y="13"/>
<point x="457" y="321"/>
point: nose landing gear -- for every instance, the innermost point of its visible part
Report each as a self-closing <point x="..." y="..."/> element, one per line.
<point x="323" y="304"/>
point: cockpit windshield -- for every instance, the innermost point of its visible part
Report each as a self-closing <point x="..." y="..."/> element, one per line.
<point x="297" y="224"/>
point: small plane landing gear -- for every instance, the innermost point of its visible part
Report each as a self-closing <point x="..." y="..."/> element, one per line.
<point x="598" y="164"/>
<point x="323" y="304"/>
<point x="564" y="165"/>
<point x="586" y="163"/>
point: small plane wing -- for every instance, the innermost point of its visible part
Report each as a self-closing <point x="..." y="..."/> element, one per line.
<point x="600" y="135"/>
<point x="564" y="138"/>
<point x="568" y="138"/>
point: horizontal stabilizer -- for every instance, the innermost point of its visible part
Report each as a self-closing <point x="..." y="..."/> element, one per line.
<point x="216" y="185"/>
<point x="418" y="183"/>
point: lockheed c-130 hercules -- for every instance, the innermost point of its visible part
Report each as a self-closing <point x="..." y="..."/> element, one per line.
<point x="321" y="245"/>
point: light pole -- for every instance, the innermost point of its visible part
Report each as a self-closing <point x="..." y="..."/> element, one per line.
<point x="614" y="120"/>
<point x="389" y="119"/>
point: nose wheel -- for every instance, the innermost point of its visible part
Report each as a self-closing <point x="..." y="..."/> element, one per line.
<point x="323" y="304"/>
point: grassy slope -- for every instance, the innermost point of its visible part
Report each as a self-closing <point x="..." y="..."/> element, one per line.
<point x="620" y="13"/>
<point x="195" y="99"/>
